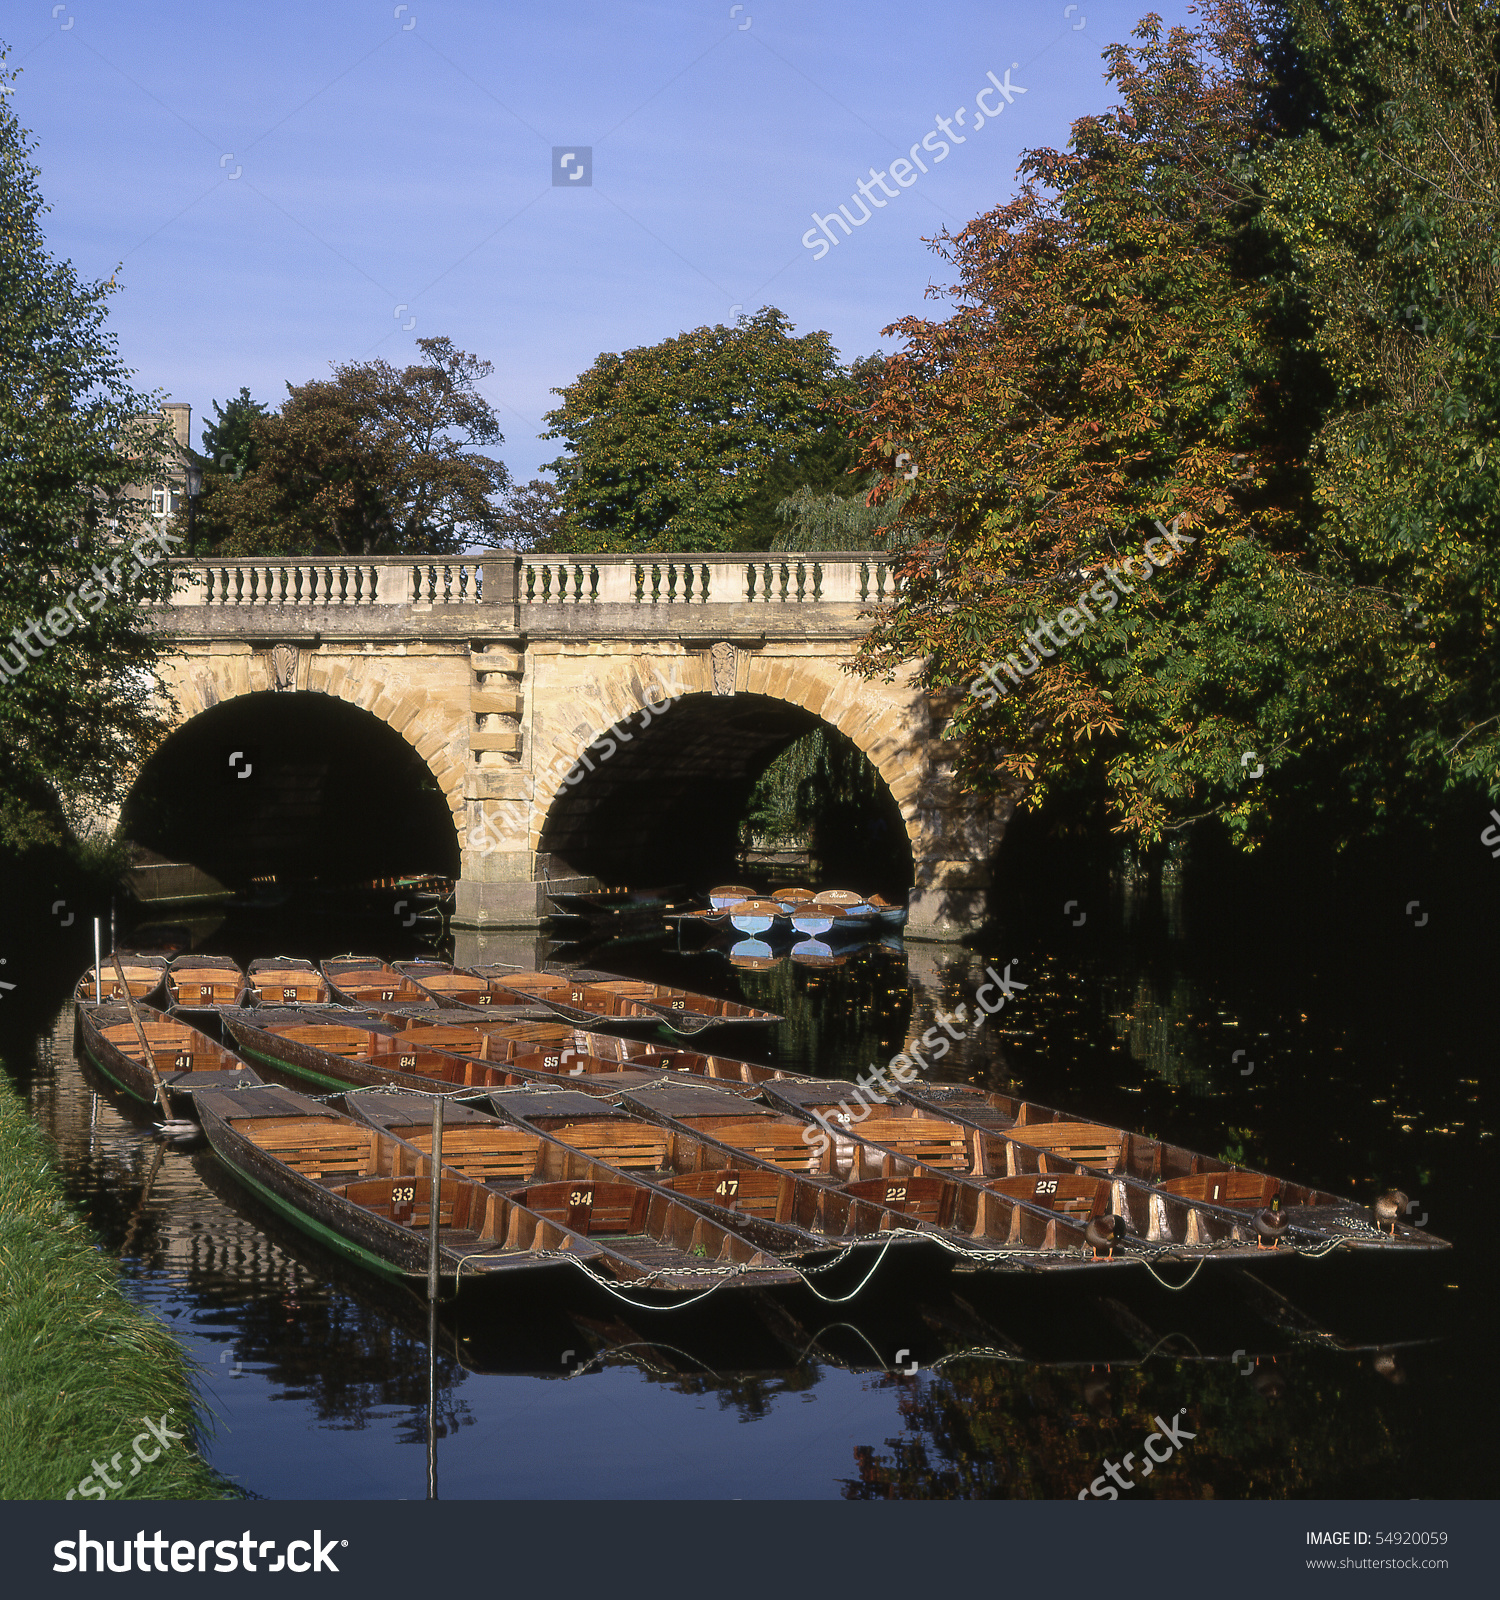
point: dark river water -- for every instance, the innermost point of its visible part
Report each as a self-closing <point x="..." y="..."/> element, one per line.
<point x="1354" y="1063"/>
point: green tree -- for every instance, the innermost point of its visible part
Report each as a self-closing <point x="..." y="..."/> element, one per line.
<point x="76" y="438"/>
<point x="229" y="445"/>
<point x="1388" y="202"/>
<point x="692" y="443"/>
<point x="373" y="461"/>
<point x="1126" y="352"/>
<point x="533" y="518"/>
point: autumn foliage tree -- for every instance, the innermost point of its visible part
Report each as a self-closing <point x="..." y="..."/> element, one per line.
<point x="1127" y="352"/>
<point x="372" y="461"/>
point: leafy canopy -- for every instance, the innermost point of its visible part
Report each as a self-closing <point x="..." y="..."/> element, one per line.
<point x="372" y="461"/>
<point x="690" y="444"/>
<point x="76" y="713"/>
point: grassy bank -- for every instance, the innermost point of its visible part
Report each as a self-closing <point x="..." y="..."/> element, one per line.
<point x="81" y="1368"/>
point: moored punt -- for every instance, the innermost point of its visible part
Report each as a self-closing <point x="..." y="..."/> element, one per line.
<point x="337" y="1052"/>
<point x="144" y="977"/>
<point x="452" y="986"/>
<point x="778" y="1208"/>
<point x="596" y="1178"/>
<point x="574" y="1060"/>
<point x="1167" y="1197"/>
<point x="601" y="998"/>
<point x="286" y="981"/>
<point x="187" y="1062"/>
<point x="194" y="980"/>
<point x="993" y="1228"/>
<point x="368" y="1196"/>
<point x="367" y="980"/>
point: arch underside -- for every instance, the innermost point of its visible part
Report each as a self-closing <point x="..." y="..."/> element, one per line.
<point x="665" y="805"/>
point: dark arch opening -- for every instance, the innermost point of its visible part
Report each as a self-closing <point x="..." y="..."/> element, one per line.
<point x="665" y="805"/>
<point x="332" y="794"/>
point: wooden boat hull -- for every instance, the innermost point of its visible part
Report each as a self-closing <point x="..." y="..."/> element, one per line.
<point x="285" y="981"/>
<point x="644" y="1229"/>
<point x="205" y="981"/>
<point x="906" y="1208"/>
<point x="336" y="1218"/>
<point x="366" y="980"/>
<point x="144" y="975"/>
<point x="183" y="1081"/>
<point x="602" y="1000"/>
<point x="1046" y="1152"/>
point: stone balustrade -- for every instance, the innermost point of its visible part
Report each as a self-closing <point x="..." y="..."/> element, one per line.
<point x="535" y="583"/>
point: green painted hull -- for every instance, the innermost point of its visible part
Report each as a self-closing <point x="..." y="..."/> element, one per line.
<point x="119" y="1083"/>
<point x="325" y="1235"/>
<point x="305" y="1073"/>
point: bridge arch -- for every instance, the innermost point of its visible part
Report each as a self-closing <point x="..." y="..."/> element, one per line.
<point x="671" y="741"/>
<point x="350" y="773"/>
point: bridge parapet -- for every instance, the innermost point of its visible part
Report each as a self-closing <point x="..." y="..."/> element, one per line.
<point x="534" y="585"/>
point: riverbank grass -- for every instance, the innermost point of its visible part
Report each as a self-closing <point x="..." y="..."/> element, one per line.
<point x="83" y="1371"/>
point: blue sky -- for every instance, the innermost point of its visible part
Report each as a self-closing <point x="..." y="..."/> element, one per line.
<point x="285" y="185"/>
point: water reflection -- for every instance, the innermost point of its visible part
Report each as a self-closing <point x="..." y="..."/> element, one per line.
<point x="1305" y="1379"/>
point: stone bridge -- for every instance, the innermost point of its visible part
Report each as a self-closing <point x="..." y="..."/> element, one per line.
<point x="571" y="709"/>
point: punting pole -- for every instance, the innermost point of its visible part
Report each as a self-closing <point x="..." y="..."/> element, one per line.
<point x="114" y="943"/>
<point x="98" y="975"/>
<point x="140" y="1033"/>
<point x="434" y="1197"/>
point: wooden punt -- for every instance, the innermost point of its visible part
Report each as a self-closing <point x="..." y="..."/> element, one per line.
<point x="601" y="999"/>
<point x="996" y="1228"/>
<point x="450" y="986"/>
<point x="608" y="1198"/>
<point x="1142" y="1167"/>
<point x="194" y="980"/>
<point x="1163" y="1193"/>
<point x="144" y="977"/>
<point x="187" y="1061"/>
<point x="286" y="981"/>
<point x="576" y="1053"/>
<point x="367" y="1196"/>
<point x="779" y="1209"/>
<point x="366" y="980"/>
<point x="338" y="1052"/>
